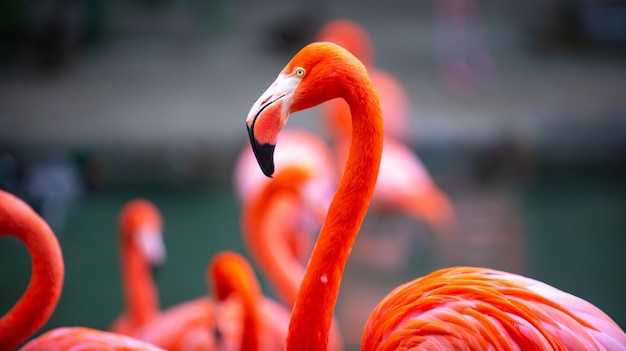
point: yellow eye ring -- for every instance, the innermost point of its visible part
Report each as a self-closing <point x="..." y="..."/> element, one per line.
<point x="299" y="71"/>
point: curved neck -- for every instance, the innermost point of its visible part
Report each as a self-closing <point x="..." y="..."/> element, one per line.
<point x="233" y="275"/>
<point x="320" y="286"/>
<point x="265" y="233"/>
<point x="251" y="324"/>
<point x="140" y="293"/>
<point x="44" y="289"/>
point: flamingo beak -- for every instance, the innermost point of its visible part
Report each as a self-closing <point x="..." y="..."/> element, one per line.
<point x="150" y="243"/>
<point x="267" y="117"/>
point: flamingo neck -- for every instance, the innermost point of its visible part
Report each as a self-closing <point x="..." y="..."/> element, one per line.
<point x="251" y="324"/>
<point x="312" y="313"/>
<point x="265" y="235"/>
<point x="239" y="279"/>
<point x="140" y="293"/>
<point x="44" y="289"/>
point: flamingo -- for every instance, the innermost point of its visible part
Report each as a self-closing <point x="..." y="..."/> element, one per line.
<point x="267" y="221"/>
<point x="44" y="290"/>
<point x="453" y="308"/>
<point x="404" y="184"/>
<point x="304" y="149"/>
<point x="233" y="277"/>
<point x="205" y="323"/>
<point x="221" y="323"/>
<point x="141" y="246"/>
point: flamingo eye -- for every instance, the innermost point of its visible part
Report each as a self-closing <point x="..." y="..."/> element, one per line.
<point x="299" y="71"/>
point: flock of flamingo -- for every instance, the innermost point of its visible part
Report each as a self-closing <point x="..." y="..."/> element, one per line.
<point x="311" y="186"/>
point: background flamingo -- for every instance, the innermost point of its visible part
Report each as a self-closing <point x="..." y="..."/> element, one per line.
<point x="279" y="216"/>
<point x="233" y="278"/>
<point x="298" y="147"/>
<point x="267" y="222"/>
<point x="141" y="247"/>
<point x="205" y="324"/>
<point x="40" y="298"/>
<point x="322" y="71"/>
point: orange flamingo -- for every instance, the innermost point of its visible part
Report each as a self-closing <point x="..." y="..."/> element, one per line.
<point x="470" y="308"/>
<point x="141" y="247"/>
<point x="44" y="290"/>
<point x="403" y="183"/>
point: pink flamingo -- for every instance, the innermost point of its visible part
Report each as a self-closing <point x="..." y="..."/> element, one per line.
<point x="44" y="290"/>
<point x="303" y="149"/>
<point x="454" y="308"/>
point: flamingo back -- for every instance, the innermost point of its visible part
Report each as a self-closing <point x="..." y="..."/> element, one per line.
<point x="483" y="309"/>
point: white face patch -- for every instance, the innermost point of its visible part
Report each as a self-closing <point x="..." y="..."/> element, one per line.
<point x="150" y="243"/>
<point x="282" y="88"/>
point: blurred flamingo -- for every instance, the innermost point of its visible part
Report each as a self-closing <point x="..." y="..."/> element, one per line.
<point x="403" y="184"/>
<point x="280" y="215"/>
<point x="209" y="324"/>
<point x="453" y="308"/>
<point x="268" y="219"/>
<point x="233" y="279"/>
<point x="44" y="290"/>
<point x="141" y="247"/>
<point x="297" y="147"/>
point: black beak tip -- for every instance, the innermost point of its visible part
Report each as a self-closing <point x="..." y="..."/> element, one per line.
<point x="264" y="154"/>
<point x="265" y="157"/>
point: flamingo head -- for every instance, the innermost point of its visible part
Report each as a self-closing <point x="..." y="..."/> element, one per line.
<point x="306" y="81"/>
<point x="229" y="272"/>
<point x="142" y="228"/>
<point x="350" y="35"/>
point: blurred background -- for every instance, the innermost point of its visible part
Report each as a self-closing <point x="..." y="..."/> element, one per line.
<point x="518" y="109"/>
